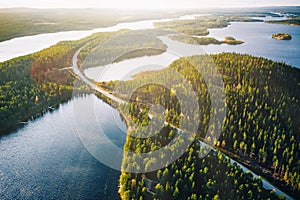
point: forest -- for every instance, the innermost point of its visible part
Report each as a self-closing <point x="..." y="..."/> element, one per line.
<point x="260" y="128"/>
<point x="189" y="177"/>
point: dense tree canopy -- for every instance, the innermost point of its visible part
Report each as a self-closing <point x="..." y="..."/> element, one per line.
<point x="261" y="123"/>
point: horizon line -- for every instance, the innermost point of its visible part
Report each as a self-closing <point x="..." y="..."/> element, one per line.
<point x="187" y="8"/>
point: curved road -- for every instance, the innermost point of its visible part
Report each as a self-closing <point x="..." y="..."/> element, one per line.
<point x="92" y="85"/>
<point x="266" y="184"/>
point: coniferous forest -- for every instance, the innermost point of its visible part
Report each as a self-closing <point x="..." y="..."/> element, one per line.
<point x="260" y="129"/>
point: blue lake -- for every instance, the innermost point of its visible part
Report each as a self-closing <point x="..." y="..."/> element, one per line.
<point x="259" y="42"/>
<point x="47" y="160"/>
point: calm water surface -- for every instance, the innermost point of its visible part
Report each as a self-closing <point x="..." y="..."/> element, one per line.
<point x="259" y="42"/>
<point x="46" y="159"/>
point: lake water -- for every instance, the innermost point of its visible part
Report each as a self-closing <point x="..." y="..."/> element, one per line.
<point x="47" y="160"/>
<point x="259" y="42"/>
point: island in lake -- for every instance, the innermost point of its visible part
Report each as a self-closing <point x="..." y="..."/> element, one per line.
<point x="204" y="40"/>
<point x="282" y="36"/>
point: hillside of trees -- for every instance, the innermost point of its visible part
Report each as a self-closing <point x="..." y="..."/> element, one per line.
<point x="261" y="124"/>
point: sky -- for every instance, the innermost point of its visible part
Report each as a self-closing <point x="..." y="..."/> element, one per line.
<point x="148" y="4"/>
